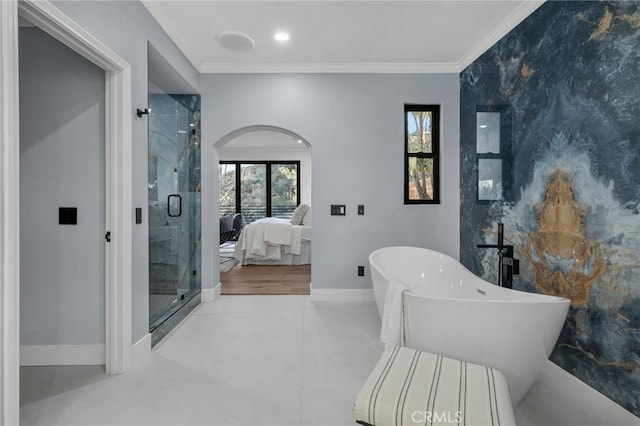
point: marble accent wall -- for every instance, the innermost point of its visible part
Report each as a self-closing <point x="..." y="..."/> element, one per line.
<point x="566" y="84"/>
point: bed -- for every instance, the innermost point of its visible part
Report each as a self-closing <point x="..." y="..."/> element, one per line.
<point x="275" y="241"/>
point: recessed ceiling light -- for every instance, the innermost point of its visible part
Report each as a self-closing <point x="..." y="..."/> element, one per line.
<point x="235" y="40"/>
<point x="281" y="36"/>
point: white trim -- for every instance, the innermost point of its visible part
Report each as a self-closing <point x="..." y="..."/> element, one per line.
<point x="59" y="26"/>
<point x="9" y="213"/>
<point x="211" y="294"/>
<point x="341" y="295"/>
<point x="119" y="175"/>
<point x="36" y="355"/>
<point x="118" y="294"/>
<point x="140" y="351"/>
<point x="503" y="28"/>
<point x="360" y="68"/>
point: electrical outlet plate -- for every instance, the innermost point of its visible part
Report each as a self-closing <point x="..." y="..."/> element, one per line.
<point x="361" y="271"/>
<point x="361" y="209"/>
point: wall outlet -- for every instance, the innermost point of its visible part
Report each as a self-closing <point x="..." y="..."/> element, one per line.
<point x="361" y="271"/>
<point x="361" y="209"/>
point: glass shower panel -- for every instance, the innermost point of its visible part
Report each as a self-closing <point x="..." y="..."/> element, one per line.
<point x="174" y="203"/>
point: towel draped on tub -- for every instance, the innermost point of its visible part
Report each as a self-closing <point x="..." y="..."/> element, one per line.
<point x="392" y="315"/>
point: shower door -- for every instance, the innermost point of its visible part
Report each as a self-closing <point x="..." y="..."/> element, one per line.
<point x="174" y="207"/>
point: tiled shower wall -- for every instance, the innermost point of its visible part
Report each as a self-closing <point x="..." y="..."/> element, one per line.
<point x="566" y="83"/>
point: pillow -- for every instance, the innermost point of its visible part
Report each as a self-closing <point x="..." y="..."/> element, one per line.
<point x="306" y="220"/>
<point x="298" y="214"/>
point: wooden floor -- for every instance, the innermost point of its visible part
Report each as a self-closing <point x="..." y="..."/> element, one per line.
<point x="266" y="279"/>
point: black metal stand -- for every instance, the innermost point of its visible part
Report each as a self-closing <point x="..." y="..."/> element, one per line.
<point x="507" y="265"/>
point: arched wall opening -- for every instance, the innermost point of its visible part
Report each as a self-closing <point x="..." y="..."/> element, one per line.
<point x="260" y="144"/>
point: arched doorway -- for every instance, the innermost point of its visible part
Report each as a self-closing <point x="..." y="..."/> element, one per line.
<point x="264" y="174"/>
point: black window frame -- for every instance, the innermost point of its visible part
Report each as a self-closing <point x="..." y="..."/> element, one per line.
<point x="268" y="164"/>
<point x="434" y="154"/>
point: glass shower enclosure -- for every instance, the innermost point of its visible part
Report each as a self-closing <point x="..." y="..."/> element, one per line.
<point x="174" y="208"/>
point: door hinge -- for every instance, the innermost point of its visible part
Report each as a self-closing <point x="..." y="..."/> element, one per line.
<point x="107" y="236"/>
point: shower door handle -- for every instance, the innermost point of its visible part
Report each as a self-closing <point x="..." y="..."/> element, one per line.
<point x="170" y="211"/>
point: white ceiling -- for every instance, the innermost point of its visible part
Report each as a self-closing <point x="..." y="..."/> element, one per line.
<point x="340" y="36"/>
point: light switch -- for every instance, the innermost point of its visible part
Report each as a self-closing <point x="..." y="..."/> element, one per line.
<point x="338" y="210"/>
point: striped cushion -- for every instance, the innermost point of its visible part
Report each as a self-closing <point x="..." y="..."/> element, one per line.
<point x="409" y="387"/>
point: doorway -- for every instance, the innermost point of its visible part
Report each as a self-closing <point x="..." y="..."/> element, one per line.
<point x="264" y="174"/>
<point x="118" y="204"/>
<point x="62" y="204"/>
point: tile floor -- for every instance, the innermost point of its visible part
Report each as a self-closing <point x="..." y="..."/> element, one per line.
<point x="264" y="360"/>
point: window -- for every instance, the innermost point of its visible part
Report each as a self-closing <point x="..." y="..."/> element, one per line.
<point x="259" y="189"/>
<point x="422" y="140"/>
<point x="493" y="147"/>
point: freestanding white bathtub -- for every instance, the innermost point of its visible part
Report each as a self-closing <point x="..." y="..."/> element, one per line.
<point x="452" y="312"/>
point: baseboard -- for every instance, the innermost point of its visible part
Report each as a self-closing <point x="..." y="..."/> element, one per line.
<point x="341" y="295"/>
<point x="141" y="350"/>
<point x="211" y="294"/>
<point x="39" y="355"/>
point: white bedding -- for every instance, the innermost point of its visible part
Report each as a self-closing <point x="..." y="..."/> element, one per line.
<point x="274" y="241"/>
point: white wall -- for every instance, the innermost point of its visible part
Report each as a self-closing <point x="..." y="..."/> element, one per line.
<point x="62" y="137"/>
<point x="126" y="27"/>
<point x="302" y="155"/>
<point x="355" y="125"/>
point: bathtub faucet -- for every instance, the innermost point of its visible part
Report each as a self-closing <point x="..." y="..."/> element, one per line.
<point x="507" y="265"/>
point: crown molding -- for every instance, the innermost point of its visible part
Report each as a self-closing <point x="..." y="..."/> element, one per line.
<point x="523" y="11"/>
<point x="360" y="68"/>
<point x="508" y="24"/>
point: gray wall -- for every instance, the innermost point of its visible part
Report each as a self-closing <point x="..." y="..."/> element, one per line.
<point x="355" y="125"/>
<point x="62" y="98"/>
<point x="126" y="27"/>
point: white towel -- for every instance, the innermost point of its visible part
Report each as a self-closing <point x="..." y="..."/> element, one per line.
<point x="391" y="332"/>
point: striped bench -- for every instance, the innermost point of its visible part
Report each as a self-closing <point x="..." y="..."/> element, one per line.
<point x="410" y="387"/>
